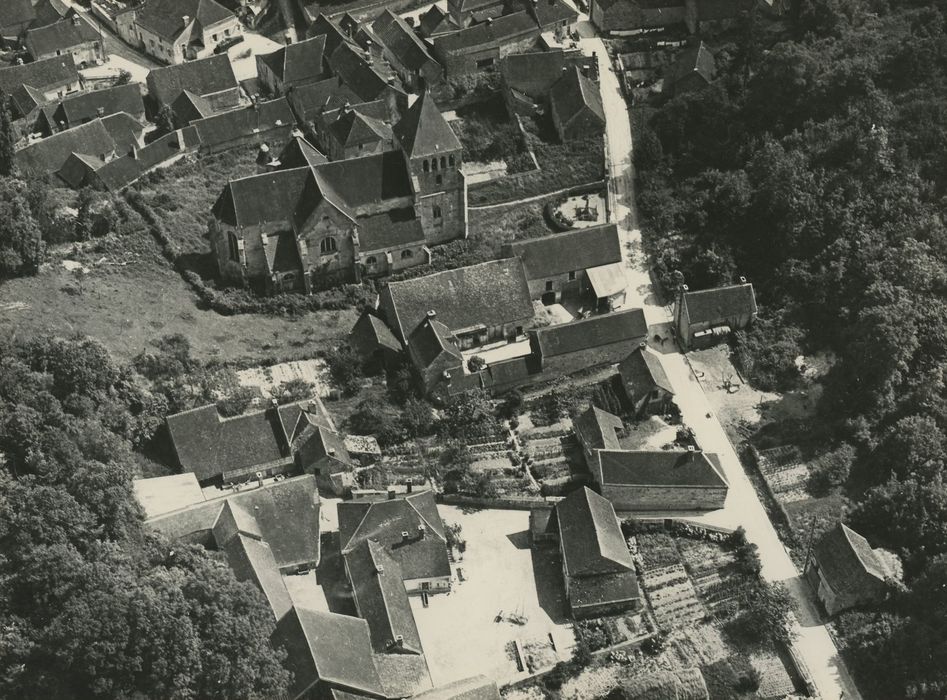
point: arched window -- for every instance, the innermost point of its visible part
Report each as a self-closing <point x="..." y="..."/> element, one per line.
<point x="450" y="159"/>
<point x="234" y="247"/>
<point x="328" y="245"/>
<point x="427" y="166"/>
<point x="434" y="164"/>
<point x="370" y="260"/>
<point x="443" y="162"/>
<point x="405" y="254"/>
<point x="436" y="211"/>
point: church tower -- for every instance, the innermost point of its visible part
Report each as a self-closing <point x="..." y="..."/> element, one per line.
<point x="434" y="156"/>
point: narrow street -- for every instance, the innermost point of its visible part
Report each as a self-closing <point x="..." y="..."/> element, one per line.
<point x="813" y="644"/>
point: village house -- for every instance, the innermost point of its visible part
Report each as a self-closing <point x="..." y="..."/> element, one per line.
<point x="313" y="227"/>
<point x="479" y="304"/>
<point x="408" y="54"/>
<point x="69" y="36"/>
<point x="597" y="430"/>
<point x="264" y="532"/>
<point x="660" y="480"/>
<point x="175" y="31"/>
<point x="436" y="22"/>
<point x="582" y="266"/>
<point x="527" y="78"/>
<point x="627" y="17"/>
<point x="554" y="16"/>
<point x="292" y="65"/>
<point x="481" y="46"/>
<point x="83" y="107"/>
<point x="368" y="76"/>
<point x="71" y="154"/>
<point x="409" y="529"/>
<point x="290" y="439"/>
<point x="692" y="70"/>
<point x="576" y="106"/>
<point x="31" y="85"/>
<point x="597" y="567"/>
<point x="195" y="89"/>
<point x="703" y="317"/>
<point x="465" y="13"/>
<point x="16" y="16"/>
<point x="647" y="387"/>
<point x="257" y="124"/>
<point x="846" y="572"/>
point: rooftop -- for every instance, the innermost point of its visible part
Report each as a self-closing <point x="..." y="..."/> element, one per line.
<point x="165" y="17"/>
<point x="598" y="429"/>
<point x="573" y="93"/>
<point x="591" y="538"/>
<point x="423" y="131"/>
<point x="203" y="77"/>
<point x="60" y="36"/>
<point x="615" y="327"/>
<point x="719" y="304"/>
<point x="661" y="468"/>
<point x="297" y="63"/>
<point x="642" y="371"/>
<point x="570" y="251"/>
<point x="847" y="560"/>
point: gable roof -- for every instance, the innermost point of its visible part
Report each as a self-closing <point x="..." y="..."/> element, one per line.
<point x="381" y="598"/>
<point x="695" y="59"/>
<point x="370" y="333"/>
<point x="353" y="127"/>
<point x="847" y="561"/>
<point x="473" y="688"/>
<point x="642" y="372"/>
<point x="615" y="327"/>
<point x="387" y="229"/>
<point x="165" y="17"/>
<point x="258" y="118"/>
<point x="203" y="77"/>
<point x="39" y="75"/>
<point x="299" y="153"/>
<point x="335" y="649"/>
<point x="573" y="94"/>
<point x="719" y="304"/>
<point x="436" y="21"/>
<point x="489" y="294"/>
<point x="49" y="154"/>
<point x="661" y="468"/>
<point x="369" y="180"/>
<point x="252" y="560"/>
<point x="264" y="198"/>
<point x="334" y="36"/>
<point x="495" y="33"/>
<point x="598" y="429"/>
<point x="423" y="554"/>
<point x="551" y="12"/>
<point x="580" y="249"/>
<point x="298" y="62"/>
<point x="423" y="131"/>
<point x="429" y="340"/>
<point x="533" y="73"/>
<point x="14" y="12"/>
<point x="401" y="41"/>
<point x="361" y="75"/>
<point x="85" y="106"/>
<point x="590" y="536"/>
<point x="311" y="99"/>
<point x="61" y="35"/>
<point x="125" y="130"/>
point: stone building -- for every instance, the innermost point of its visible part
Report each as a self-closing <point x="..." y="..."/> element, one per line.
<point x="703" y="317"/>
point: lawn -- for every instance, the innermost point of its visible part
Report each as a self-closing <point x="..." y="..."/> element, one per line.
<point x="561" y="165"/>
<point x="132" y="297"/>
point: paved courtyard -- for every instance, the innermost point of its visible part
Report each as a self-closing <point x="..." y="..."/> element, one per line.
<point x="500" y="573"/>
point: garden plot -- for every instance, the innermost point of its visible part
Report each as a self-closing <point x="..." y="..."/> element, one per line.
<point x="268" y="378"/>
<point x="785" y="472"/>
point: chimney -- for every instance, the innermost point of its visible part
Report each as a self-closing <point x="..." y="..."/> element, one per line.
<point x="489" y="21"/>
<point x="273" y="402"/>
<point x="287" y="38"/>
<point x="399" y="640"/>
<point x="405" y="535"/>
<point x="391" y="494"/>
<point x="332" y="452"/>
<point x="134" y="153"/>
<point x="431" y="313"/>
<point x="421" y="531"/>
<point x="742" y="280"/>
<point x="100" y="111"/>
<point x="75" y="20"/>
<point x="691" y="449"/>
<point x="379" y="569"/>
<point x="259" y="478"/>
<point x="186" y="20"/>
<point x="410" y="486"/>
<point x="642" y="345"/>
<point x="391" y="80"/>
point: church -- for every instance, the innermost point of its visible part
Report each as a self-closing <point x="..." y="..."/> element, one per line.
<point x="309" y="224"/>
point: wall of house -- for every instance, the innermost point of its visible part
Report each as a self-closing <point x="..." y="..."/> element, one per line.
<point x="216" y="34"/>
<point x="653" y="403"/>
<point x="126" y="27"/>
<point x="224" y="100"/>
<point x="686" y="329"/>
<point x="439" y="584"/>
<point x="279" y="134"/>
<point x="267" y="78"/>
<point x="561" y="284"/>
<point x="629" y="16"/>
<point x="391" y="260"/>
<point x="157" y="47"/>
<point x="665" y="498"/>
<point x="324" y="269"/>
<point x="338" y="151"/>
<point x="601" y="609"/>
<point x="85" y="53"/>
<point x="466" y="60"/>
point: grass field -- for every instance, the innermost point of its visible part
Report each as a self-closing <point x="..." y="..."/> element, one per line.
<point x="133" y="296"/>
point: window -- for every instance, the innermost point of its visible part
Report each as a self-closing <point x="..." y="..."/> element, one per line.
<point x="226" y="32"/>
<point x="427" y="167"/>
<point x="328" y="245"/>
<point x="439" y="179"/>
<point x="434" y="164"/>
<point x="436" y="211"/>
<point x="371" y="260"/>
<point x="443" y="162"/>
<point x="234" y="247"/>
<point x="450" y="160"/>
<point x="485" y="63"/>
<point x="549" y="286"/>
<point x="405" y="254"/>
<point x="572" y="275"/>
<point x="214" y="37"/>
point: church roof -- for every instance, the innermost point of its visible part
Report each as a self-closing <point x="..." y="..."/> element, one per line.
<point x="423" y="131"/>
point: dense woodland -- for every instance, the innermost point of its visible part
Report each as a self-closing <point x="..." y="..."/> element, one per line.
<point x="816" y="166"/>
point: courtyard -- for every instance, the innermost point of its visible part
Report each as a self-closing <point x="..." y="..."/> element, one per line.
<point x="499" y="575"/>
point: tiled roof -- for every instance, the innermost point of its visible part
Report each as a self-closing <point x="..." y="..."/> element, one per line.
<point x="381" y="598"/>
<point x="847" y="561"/>
<point x="402" y="675"/>
<point x="40" y="75"/>
<point x="79" y="170"/>
<point x="353" y="128"/>
<point x="84" y="106"/>
<point x="368" y="180"/>
<point x="495" y="33"/>
<point x="435" y="21"/>
<point x="299" y="62"/>
<point x="370" y="333"/>
<point x="352" y="66"/>
<point x="310" y="100"/>
<point x="429" y="340"/>
<point x="590" y="536"/>
<point x="322" y="646"/>
<point x="257" y="199"/>
<point x="49" y="154"/>
<point x="395" y="227"/>
<point x="534" y="72"/>
<point x="598" y="428"/>
<point x="188" y="107"/>
<point x="489" y="294"/>
<point x="401" y="41"/>
<point x="641" y="372"/>
<point x="719" y="304"/>
<point x="60" y="36"/>
<point x="13" y="12"/>
<point x="696" y="59"/>
<point x="165" y="17"/>
<point x="423" y="131"/>
<point x="615" y="587"/>
<point x="551" y="12"/>
<point x="570" y="251"/>
<point x="125" y="130"/>
<point x="324" y="26"/>
<point x="299" y="153"/>
<point x="252" y="560"/>
<point x="619" y="326"/>
<point x="385" y="521"/>
<point x="573" y="93"/>
<point x="203" y="77"/>
<point x="661" y="468"/>
<point x="259" y="118"/>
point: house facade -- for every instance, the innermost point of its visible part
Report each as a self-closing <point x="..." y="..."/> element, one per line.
<point x="704" y="317"/>
<point x="31" y="85"/>
<point x="846" y="572"/>
<point x="72" y="35"/>
<point x="175" y="31"/>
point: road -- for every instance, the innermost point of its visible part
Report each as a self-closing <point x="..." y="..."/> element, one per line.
<point x="812" y="640"/>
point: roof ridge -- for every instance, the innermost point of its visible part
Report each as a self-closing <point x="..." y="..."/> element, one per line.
<point x="427" y="522"/>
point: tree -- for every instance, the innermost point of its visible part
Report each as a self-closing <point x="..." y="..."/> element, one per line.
<point x="371" y="419"/>
<point x="417" y="418"/>
<point x="7" y="139"/>
<point x="469" y="415"/>
<point x="764" y="608"/>
<point x="345" y="369"/>
<point x="831" y="469"/>
<point x="21" y="243"/>
<point x="293" y="390"/>
<point x="165" y="120"/>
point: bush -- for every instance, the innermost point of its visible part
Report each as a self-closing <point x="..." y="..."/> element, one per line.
<point x="238" y="401"/>
<point x="345" y="369"/>
<point x="830" y="470"/>
<point x="292" y="391"/>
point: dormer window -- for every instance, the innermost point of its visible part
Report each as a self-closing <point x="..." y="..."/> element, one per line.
<point x="328" y="245"/>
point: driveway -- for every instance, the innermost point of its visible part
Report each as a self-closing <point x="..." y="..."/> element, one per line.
<point x="813" y="642"/>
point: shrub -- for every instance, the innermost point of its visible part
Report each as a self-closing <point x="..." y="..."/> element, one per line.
<point x="237" y="402"/>
<point x="293" y="390"/>
<point x="345" y="369"/>
<point x="830" y="470"/>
